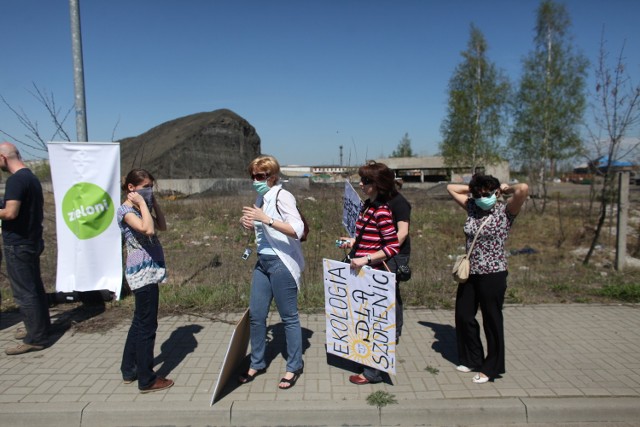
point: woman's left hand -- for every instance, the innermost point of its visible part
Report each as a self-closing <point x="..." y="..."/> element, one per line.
<point x="254" y="213"/>
<point x="359" y="262"/>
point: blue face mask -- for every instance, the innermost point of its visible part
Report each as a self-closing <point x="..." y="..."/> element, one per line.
<point x="486" y="203"/>
<point x="261" y="187"/>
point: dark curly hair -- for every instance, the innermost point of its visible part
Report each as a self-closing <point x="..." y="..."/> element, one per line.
<point x="481" y="183"/>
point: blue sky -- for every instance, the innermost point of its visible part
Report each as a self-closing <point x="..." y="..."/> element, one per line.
<point x="308" y="75"/>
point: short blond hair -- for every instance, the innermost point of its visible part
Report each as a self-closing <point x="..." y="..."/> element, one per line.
<point x="266" y="164"/>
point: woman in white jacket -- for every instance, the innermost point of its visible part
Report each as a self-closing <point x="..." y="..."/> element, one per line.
<point x="278" y="227"/>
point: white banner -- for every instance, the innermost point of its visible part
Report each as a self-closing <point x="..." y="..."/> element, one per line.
<point x="86" y="188"/>
<point x="350" y="208"/>
<point x="360" y="314"/>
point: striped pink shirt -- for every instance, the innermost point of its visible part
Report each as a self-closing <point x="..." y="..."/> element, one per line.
<point x="379" y="233"/>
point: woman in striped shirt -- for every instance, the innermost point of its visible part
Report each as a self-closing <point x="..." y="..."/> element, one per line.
<point x="376" y="236"/>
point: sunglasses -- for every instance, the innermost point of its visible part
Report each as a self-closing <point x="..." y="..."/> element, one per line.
<point x="366" y="181"/>
<point x="488" y="194"/>
<point x="259" y="176"/>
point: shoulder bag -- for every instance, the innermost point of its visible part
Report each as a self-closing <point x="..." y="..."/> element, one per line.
<point x="461" y="266"/>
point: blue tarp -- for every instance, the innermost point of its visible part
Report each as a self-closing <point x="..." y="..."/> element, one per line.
<point x="601" y="162"/>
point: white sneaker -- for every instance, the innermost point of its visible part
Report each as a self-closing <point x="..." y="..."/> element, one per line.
<point x="462" y="368"/>
<point x="480" y="379"/>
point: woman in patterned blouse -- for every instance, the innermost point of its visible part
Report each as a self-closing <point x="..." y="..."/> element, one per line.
<point x="487" y="281"/>
<point x="139" y="217"/>
<point x="377" y="239"/>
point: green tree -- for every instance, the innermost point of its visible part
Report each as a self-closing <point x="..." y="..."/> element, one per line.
<point x="404" y="147"/>
<point x="550" y="102"/>
<point x="477" y="109"/>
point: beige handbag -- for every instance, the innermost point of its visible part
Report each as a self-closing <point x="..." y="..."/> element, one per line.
<point x="461" y="266"/>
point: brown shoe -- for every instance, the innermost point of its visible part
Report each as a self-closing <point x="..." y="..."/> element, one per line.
<point x="20" y="334"/>
<point x="159" y="384"/>
<point x="23" y="348"/>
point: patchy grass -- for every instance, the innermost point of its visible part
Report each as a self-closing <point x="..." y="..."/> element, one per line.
<point x="627" y="292"/>
<point x="432" y="370"/>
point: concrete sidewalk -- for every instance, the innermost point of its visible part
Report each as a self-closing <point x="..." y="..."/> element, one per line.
<point x="565" y="364"/>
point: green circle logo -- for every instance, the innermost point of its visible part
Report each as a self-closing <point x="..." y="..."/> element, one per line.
<point x="87" y="209"/>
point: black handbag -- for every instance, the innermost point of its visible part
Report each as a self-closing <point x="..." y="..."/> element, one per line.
<point x="403" y="273"/>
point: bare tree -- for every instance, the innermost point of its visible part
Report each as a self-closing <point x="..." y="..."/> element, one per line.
<point x="616" y="113"/>
<point x="34" y="138"/>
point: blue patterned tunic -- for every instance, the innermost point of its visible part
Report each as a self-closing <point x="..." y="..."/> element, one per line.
<point x="145" y="257"/>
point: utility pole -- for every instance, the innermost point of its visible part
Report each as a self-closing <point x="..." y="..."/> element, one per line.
<point x="78" y="71"/>
<point x="623" y="219"/>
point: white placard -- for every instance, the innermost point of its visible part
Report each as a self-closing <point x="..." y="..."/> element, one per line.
<point x="236" y="351"/>
<point x="360" y="310"/>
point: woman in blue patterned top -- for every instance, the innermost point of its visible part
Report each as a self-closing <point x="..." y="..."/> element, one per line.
<point x="145" y="269"/>
<point x="487" y="281"/>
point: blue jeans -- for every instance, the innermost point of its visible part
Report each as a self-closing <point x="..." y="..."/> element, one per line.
<point x="23" y="269"/>
<point x="272" y="280"/>
<point x="137" y="358"/>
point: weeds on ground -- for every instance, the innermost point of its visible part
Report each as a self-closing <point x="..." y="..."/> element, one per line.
<point x="380" y="399"/>
<point x="204" y="243"/>
<point x="432" y="370"/>
<point x="626" y="292"/>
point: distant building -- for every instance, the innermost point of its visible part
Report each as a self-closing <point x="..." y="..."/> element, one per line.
<point x="333" y="170"/>
<point x="296" y="171"/>
<point x="410" y="169"/>
<point x="318" y="171"/>
<point x="433" y="169"/>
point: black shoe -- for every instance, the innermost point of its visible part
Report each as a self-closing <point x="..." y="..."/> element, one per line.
<point x="290" y="381"/>
<point x="247" y="378"/>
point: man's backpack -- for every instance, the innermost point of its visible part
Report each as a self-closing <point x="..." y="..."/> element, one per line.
<point x="305" y="233"/>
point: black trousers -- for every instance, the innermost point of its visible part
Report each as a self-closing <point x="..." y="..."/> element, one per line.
<point x="487" y="292"/>
<point x="393" y="263"/>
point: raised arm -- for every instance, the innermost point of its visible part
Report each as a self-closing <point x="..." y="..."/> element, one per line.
<point x="460" y="193"/>
<point x="519" y="193"/>
<point x="144" y="225"/>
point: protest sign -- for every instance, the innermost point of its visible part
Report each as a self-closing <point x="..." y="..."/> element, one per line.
<point x="351" y="208"/>
<point x="237" y="350"/>
<point x="360" y="310"/>
<point x="86" y="188"/>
